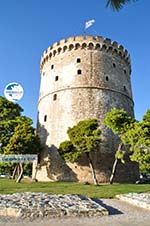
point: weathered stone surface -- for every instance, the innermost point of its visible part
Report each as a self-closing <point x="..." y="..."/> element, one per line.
<point x="40" y="205"/>
<point x="82" y="77"/>
<point x="140" y="200"/>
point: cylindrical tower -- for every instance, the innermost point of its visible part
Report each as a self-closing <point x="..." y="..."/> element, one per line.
<point x="82" y="77"/>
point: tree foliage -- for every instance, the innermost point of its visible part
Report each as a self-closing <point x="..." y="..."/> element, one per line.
<point x="17" y="136"/>
<point x="23" y="140"/>
<point x="135" y="134"/>
<point x="85" y="137"/>
<point x="68" y="151"/>
<point x="118" y="4"/>
<point x="138" y="137"/>
<point x="118" y="121"/>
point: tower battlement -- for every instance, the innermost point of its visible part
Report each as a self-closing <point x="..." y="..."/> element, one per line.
<point x="85" y="42"/>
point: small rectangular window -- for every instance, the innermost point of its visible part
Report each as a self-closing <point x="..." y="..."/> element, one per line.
<point x="55" y="97"/>
<point x="45" y="118"/>
<point x="56" y="78"/>
<point x="79" y="72"/>
<point x="107" y="78"/>
<point x="78" y="60"/>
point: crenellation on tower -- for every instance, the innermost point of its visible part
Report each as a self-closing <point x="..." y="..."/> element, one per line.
<point x="82" y="77"/>
<point x="105" y="44"/>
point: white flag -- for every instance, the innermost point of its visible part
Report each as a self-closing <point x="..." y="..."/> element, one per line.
<point x="89" y="23"/>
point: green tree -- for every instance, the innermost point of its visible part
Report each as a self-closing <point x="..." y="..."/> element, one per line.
<point x="138" y="137"/>
<point x="9" y="111"/>
<point x="23" y="140"/>
<point x="119" y="122"/>
<point x="118" y="4"/>
<point x="17" y="136"/>
<point x="68" y="151"/>
<point x="85" y="137"/>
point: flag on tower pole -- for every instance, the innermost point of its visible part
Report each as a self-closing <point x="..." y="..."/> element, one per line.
<point x="89" y="23"/>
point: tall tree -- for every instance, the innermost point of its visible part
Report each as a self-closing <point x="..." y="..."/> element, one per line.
<point x="85" y="137"/>
<point x="17" y="136"/>
<point x="138" y="137"/>
<point x="118" y="4"/>
<point x="23" y="140"/>
<point x="119" y="122"/>
<point x="9" y="111"/>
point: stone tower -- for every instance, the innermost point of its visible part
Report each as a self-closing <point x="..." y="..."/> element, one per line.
<point x="82" y="77"/>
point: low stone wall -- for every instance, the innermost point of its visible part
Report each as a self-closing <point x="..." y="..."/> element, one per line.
<point x="39" y="205"/>
<point x="138" y="199"/>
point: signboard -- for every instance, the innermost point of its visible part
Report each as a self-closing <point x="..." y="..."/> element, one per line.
<point x="13" y="91"/>
<point x="18" y="158"/>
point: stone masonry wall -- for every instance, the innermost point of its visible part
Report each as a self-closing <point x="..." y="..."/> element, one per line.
<point x="82" y="77"/>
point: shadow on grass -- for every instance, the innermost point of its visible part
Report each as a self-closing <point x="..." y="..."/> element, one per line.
<point x="111" y="210"/>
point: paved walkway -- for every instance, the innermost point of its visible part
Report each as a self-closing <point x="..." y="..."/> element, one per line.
<point x="121" y="214"/>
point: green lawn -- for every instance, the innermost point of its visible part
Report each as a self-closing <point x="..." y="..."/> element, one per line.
<point x="102" y="191"/>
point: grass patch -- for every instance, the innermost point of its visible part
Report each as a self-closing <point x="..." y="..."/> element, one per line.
<point x="102" y="191"/>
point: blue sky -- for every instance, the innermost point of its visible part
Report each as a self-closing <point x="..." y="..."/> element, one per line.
<point x="28" y="27"/>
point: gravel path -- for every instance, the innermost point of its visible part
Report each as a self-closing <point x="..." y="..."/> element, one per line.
<point x="121" y="214"/>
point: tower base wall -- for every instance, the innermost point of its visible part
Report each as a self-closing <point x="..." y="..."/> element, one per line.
<point x="57" y="170"/>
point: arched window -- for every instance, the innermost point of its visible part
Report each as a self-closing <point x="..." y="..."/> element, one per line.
<point x="114" y="65"/>
<point x="107" y="78"/>
<point x="84" y="45"/>
<point x="54" y="52"/>
<point x="104" y="47"/>
<point x="77" y="46"/>
<point x="64" y="48"/>
<point x="71" y="47"/>
<point x="90" y="45"/>
<point x="124" y="87"/>
<point x="50" y="55"/>
<point x="110" y="49"/>
<point x="52" y="66"/>
<point x="59" y="50"/>
<point x="97" y="46"/>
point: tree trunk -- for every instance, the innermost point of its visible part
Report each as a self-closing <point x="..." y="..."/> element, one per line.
<point x="20" y="174"/>
<point x="114" y="168"/>
<point x="14" y="172"/>
<point x="92" y="169"/>
<point x="113" y="171"/>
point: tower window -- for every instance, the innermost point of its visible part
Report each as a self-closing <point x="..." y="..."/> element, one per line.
<point x="125" y="72"/>
<point x="79" y="72"/>
<point x="55" y="97"/>
<point x="124" y="87"/>
<point x="78" y="60"/>
<point x="52" y="66"/>
<point x="56" y="78"/>
<point x="91" y="45"/>
<point x="114" y="65"/>
<point x="107" y="78"/>
<point x="45" y="118"/>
